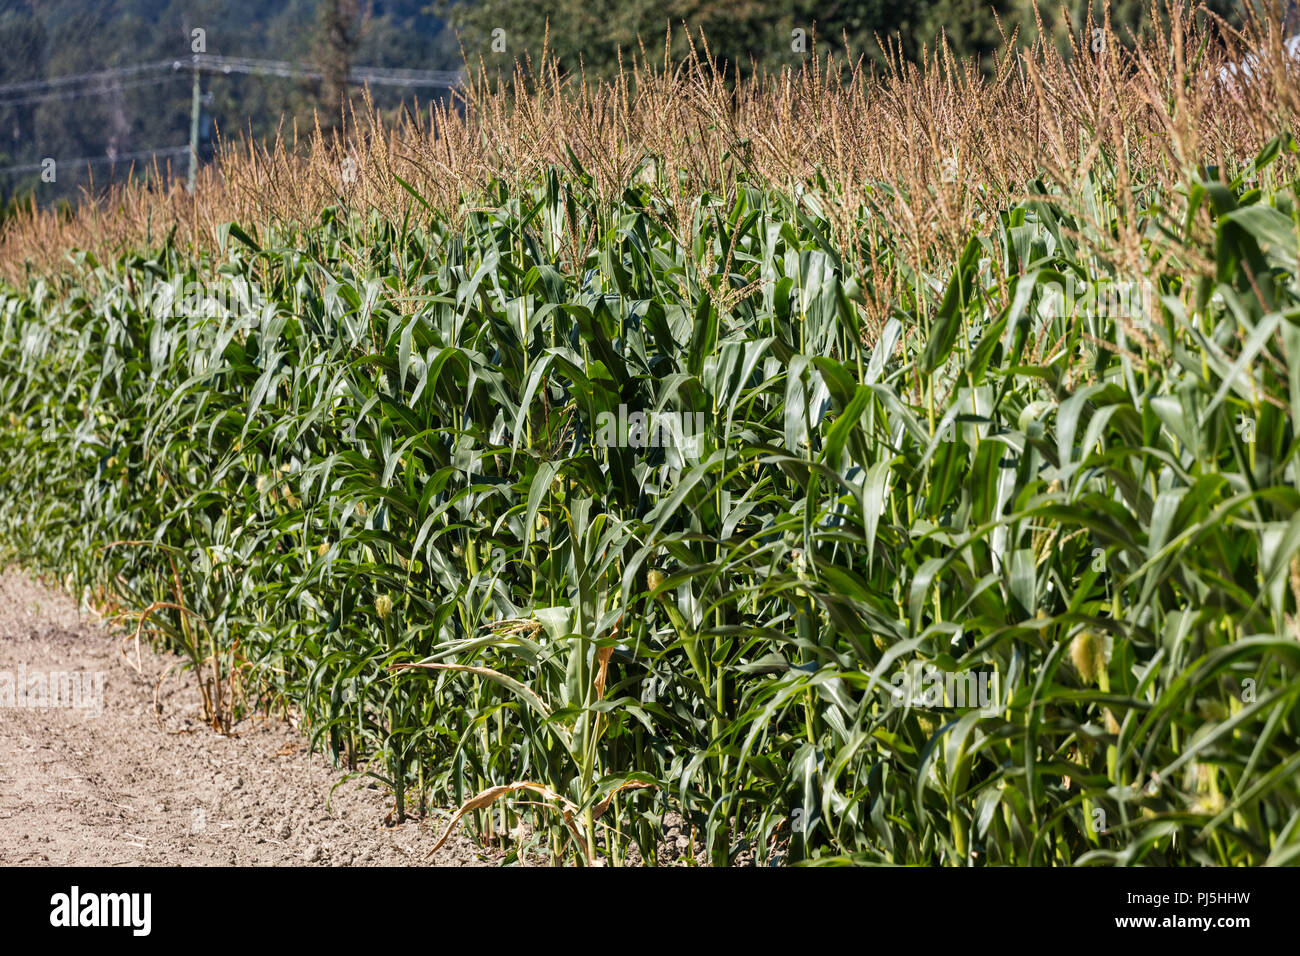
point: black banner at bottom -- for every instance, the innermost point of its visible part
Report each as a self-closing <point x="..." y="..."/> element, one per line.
<point x="300" y="906"/>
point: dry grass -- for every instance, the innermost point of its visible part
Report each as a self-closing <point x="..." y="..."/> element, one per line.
<point x="930" y="147"/>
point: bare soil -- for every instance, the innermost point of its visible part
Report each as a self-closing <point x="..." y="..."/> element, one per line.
<point x="126" y="788"/>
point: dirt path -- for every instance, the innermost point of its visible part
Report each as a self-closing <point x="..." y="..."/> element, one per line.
<point x="119" y="790"/>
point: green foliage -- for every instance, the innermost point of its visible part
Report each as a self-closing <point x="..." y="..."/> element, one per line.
<point x="372" y="479"/>
<point x="73" y="37"/>
<point x="758" y="34"/>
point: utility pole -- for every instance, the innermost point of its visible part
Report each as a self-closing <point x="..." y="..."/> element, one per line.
<point x="195" y="108"/>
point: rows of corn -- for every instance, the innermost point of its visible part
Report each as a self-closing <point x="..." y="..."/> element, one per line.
<point x="357" y="479"/>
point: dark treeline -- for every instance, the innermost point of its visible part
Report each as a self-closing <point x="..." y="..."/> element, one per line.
<point x="126" y="115"/>
<point x="750" y="35"/>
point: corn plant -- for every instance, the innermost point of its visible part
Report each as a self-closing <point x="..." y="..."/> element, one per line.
<point x="997" y="575"/>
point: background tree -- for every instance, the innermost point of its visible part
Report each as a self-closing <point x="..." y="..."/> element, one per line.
<point x="757" y="34"/>
<point x="742" y="34"/>
<point x="341" y="26"/>
<point x="54" y="38"/>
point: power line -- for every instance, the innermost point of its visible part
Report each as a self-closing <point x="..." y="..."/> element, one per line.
<point x="93" y="82"/>
<point x="92" y="160"/>
<point x="102" y="82"/>
<point x="387" y="76"/>
<point x="396" y="77"/>
<point x="101" y="90"/>
<point x="71" y="79"/>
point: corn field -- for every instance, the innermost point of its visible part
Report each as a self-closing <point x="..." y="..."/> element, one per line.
<point x="984" y="548"/>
